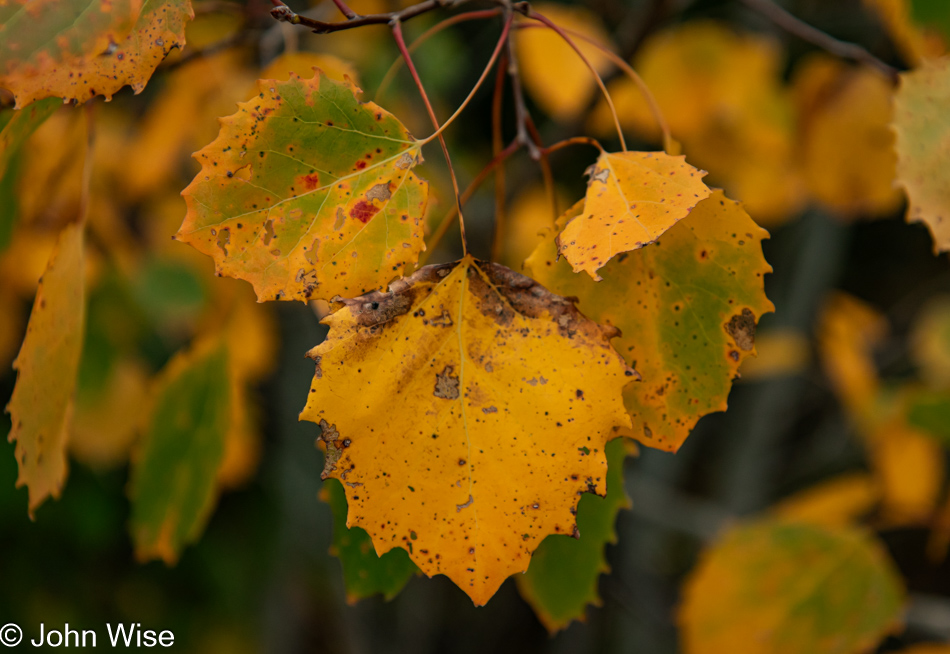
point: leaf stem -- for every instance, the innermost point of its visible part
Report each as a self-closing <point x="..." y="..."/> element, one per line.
<point x="345" y="9"/>
<point x="425" y="36"/>
<point x="471" y="94"/>
<point x="521" y="110"/>
<point x="574" y="140"/>
<point x="526" y="9"/>
<point x="815" y="36"/>
<point x="401" y="44"/>
<point x="446" y="221"/>
<point x="497" y="106"/>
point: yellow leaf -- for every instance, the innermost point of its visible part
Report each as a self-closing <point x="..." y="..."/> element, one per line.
<point x="632" y="199"/>
<point x="529" y="215"/>
<point x="555" y="76"/>
<point x="773" y="587"/>
<point x="848" y="331"/>
<point x="914" y="42"/>
<point x="839" y="501"/>
<point x="106" y="426"/>
<point x="922" y="124"/>
<point x="910" y="466"/>
<point x="777" y="352"/>
<point x="11" y="327"/>
<point x="686" y="308"/>
<point x="477" y="407"/>
<point x="930" y="341"/>
<point x="303" y="63"/>
<point x="847" y="147"/>
<point x="109" y="57"/>
<point x="721" y="93"/>
<point x="242" y="443"/>
<point x="41" y="406"/>
<point x="308" y="192"/>
<point x="24" y="261"/>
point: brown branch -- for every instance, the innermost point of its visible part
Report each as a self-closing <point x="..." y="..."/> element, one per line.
<point x="284" y="13"/>
<point x="497" y="105"/>
<point x="815" y="36"/>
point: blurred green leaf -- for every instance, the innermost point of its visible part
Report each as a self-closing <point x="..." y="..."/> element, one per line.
<point x="562" y="578"/>
<point x="929" y="411"/>
<point x="933" y="13"/>
<point x="173" y="478"/>
<point x="169" y="291"/>
<point x="364" y="573"/>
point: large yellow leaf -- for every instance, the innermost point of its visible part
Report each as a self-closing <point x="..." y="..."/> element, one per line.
<point x="686" y="307"/>
<point x="555" y="76"/>
<point x="80" y="49"/>
<point x="42" y="403"/>
<point x="632" y="198"/>
<point x="465" y="412"/>
<point x="308" y="193"/>
<point x="838" y="501"/>
<point x="847" y="147"/>
<point x="922" y="124"/>
<point x="773" y="587"/>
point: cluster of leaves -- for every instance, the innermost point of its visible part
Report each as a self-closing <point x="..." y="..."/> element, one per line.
<point x="470" y="414"/>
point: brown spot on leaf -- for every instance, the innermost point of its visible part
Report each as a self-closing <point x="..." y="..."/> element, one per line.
<point x="379" y="192"/>
<point x="742" y="330"/>
<point x="446" y="384"/>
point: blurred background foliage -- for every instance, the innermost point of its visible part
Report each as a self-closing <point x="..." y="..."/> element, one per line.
<point x="842" y="418"/>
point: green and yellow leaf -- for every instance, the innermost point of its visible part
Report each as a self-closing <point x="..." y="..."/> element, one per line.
<point x="364" y="572"/>
<point x="41" y="407"/>
<point x="308" y="193"/>
<point x="773" y="587"/>
<point x="922" y="124"/>
<point x="478" y="408"/>
<point x="562" y="578"/>
<point x="686" y="307"/>
<point x="632" y="199"/>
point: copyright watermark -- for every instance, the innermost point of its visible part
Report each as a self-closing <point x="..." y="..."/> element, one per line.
<point x="127" y="635"/>
<point x="10" y="635"/>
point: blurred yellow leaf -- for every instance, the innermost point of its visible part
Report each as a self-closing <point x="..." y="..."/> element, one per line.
<point x="11" y="327"/>
<point x="722" y="95"/>
<point x="910" y="466"/>
<point x="838" y="501"/>
<point x="479" y="405"/>
<point x="41" y="406"/>
<point x="555" y="76"/>
<point x="928" y="648"/>
<point x="922" y="124"/>
<point x="106" y="425"/>
<point x="529" y="215"/>
<point x="848" y="331"/>
<point x="242" y="443"/>
<point x="773" y="587"/>
<point x="777" y="353"/>
<point x="930" y="341"/>
<point x="632" y="199"/>
<point x="847" y="147"/>
<point x="915" y="42"/>
<point x="22" y="264"/>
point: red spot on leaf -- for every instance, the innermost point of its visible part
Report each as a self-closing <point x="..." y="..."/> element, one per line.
<point x="363" y="211"/>
<point x="311" y="181"/>
<point x="361" y="165"/>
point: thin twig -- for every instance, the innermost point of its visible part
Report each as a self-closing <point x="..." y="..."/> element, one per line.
<point x="574" y="140"/>
<point x="284" y="13"/>
<point x="345" y="10"/>
<point x="401" y="44"/>
<point x="425" y="36"/>
<point x="627" y="70"/>
<point x="526" y="9"/>
<point x="447" y="220"/>
<point x="497" y="105"/>
<point x="521" y="109"/>
<point x="815" y="36"/>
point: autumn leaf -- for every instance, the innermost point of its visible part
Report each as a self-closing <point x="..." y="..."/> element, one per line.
<point x="838" y="501"/>
<point x="922" y="124"/>
<point x="632" y="198"/>
<point x="302" y="64"/>
<point x="41" y="407"/>
<point x="173" y="486"/>
<point x="686" y="308"/>
<point x="847" y="147"/>
<point x="553" y="73"/>
<point x="562" y="578"/>
<point x="774" y="587"/>
<point x="478" y="408"/>
<point x="77" y="49"/>
<point x="308" y="193"/>
<point x="364" y="573"/>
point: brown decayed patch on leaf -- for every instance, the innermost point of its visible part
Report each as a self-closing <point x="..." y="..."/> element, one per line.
<point x="463" y="382"/>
